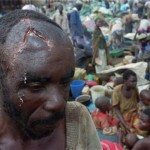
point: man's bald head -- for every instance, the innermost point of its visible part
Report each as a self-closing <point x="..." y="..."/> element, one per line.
<point x="20" y="29"/>
<point x="11" y="19"/>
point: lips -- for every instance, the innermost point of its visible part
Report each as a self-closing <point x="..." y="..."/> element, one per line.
<point x="47" y="122"/>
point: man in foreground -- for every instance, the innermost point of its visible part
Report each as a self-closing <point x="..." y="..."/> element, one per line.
<point x="36" y="66"/>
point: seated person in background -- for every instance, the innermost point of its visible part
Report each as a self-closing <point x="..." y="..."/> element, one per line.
<point x="101" y="117"/>
<point x="144" y="124"/>
<point x="144" y="100"/>
<point x="125" y="99"/>
<point x="143" y="104"/>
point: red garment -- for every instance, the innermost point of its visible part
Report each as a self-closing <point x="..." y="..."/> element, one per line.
<point x="107" y="145"/>
<point x="103" y="120"/>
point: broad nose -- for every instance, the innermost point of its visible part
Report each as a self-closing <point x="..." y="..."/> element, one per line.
<point x="54" y="100"/>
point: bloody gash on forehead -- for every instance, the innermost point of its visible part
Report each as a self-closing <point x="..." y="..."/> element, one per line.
<point x="20" y="35"/>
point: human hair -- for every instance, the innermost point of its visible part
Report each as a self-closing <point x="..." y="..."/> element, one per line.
<point x="131" y="140"/>
<point x="7" y="23"/>
<point x="147" y="112"/>
<point x="60" y="8"/>
<point x="78" y="6"/>
<point x="101" y="102"/>
<point x="145" y="92"/>
<point x="127" y="74"/>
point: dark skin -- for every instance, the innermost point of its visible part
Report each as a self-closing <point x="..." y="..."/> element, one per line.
<point x="143" y="125"/>
<point x="145" y="98"/>
<point x="38" y="74"/>
<point x="127" y="89"/>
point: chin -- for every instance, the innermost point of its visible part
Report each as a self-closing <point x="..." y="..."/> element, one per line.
<point x="43" y="133"/>
<point x="39" y="131"/>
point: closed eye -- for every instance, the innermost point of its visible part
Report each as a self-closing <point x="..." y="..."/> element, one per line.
<point x="65" y="83"/>
<point x="36" y="87"/>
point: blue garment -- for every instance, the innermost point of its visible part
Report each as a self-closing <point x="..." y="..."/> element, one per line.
<point x="124" y="7"/>
<point x="75" y="24"/>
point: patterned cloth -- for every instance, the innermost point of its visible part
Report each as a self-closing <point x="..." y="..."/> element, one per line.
<point x="107" y="145"/>
<point x="103" y="120"/>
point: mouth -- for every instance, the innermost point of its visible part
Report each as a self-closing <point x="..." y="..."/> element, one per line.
<point x="46" y="123"/>
<point x="44" y="128"/>
<point x="37" y="130"/>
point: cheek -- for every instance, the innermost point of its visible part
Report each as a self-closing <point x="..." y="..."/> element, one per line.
<point x="32" y="101"/>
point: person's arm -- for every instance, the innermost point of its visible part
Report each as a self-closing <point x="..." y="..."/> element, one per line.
<point x="116" y="97"/>
<point x="120" y="117"/>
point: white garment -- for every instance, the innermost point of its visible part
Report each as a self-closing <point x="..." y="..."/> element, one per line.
<point x="29" y="7"/>
<point x="147" y="4"/>
<point x="144" y="24"/>
<point x="102" y="61"/>
<point x="62" y="20"/>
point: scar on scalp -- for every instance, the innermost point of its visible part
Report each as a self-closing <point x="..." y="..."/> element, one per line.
<point x="32" y="31"/>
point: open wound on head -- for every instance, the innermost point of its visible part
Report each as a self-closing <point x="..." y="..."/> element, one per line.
<point x="33" y="32"/>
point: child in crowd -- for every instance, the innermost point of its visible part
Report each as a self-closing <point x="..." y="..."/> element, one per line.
<point x="131" y="141"/>
<point x="144" y="100"/>
<point x="144" y="124"/>
<point x="101" y="117"/>
<point x="142" y="105"/>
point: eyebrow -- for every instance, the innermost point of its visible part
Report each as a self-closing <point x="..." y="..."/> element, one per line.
<point x="33" y="77"/>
